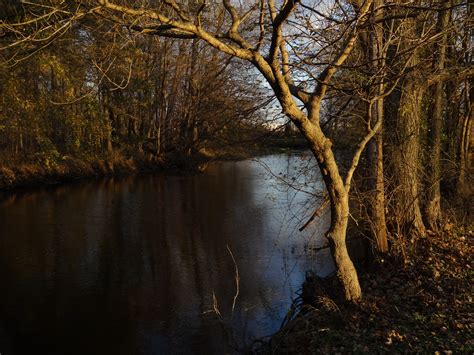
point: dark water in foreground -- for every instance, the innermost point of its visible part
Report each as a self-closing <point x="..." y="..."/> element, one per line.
<point x="129" y="266"/>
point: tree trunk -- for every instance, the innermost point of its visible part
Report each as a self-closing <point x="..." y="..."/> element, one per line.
<point x="339" y="202"/>
<point x="433" y="204"/>
<point x="336" y="235"/>
<point x="378" y="54"/>
<point x="377" y="210"/>
<point x="373" y="41"/>
<point x="377" y="214"/>
<point x="464" y="187"/>
<point x="465" y="140"/>
<point x="407" y="158"/>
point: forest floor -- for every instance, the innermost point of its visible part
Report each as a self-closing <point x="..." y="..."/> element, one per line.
<point x="423" y="304"/>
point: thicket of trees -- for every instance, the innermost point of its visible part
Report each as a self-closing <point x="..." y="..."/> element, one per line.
<point x="389" y="82"/>
<point x="100" y="89"/>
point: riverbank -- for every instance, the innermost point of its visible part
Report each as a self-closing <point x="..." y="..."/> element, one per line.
<point x="28" y="175"/>
<point x="71" y="169"/>
<point x="423" y="305"/>
<point x="54" y="172"/>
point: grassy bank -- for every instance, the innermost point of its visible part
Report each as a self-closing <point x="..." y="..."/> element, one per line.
<point x="421" y="305"/>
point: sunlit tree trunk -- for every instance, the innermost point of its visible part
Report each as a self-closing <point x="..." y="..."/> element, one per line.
<point x="377" y="208"/>
<point x="407" y="159"/>
<point x="339" y="203"/>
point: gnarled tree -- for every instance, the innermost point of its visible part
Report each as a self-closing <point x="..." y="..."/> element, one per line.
<point x="270" y="56"/>
<point x="258" y="33"/>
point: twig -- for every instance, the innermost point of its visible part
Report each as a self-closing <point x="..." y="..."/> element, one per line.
<point x="316" y="213"/>
<point x="215" y="305"/>
<point x="237" y="281"/>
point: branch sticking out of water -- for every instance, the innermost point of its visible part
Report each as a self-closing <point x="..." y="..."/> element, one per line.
<point x="215" y="305"/>
<point x="316" y="213"/>
<point x="237" y="282"/>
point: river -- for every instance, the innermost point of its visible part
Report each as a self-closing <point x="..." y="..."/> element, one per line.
<point x="131" y="265"/>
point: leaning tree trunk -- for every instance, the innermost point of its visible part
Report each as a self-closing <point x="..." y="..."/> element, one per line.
<point x="336" y="235"/>
<point x="339" y="203"/>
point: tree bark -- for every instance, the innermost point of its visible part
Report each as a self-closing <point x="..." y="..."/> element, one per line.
<point x="339" y="203"/>
<point x="465" y="142"/>
<point x="464" y="182"/>
<point x="433" y="204"/>
<point x="377" y="214"/>
<point x="336" y="235"/>
<point x="407" y="158"/>
<point x="377" y="209"/>
<point x="466" y="137"/>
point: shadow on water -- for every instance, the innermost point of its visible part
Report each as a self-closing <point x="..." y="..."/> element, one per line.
<point x="129" y="265"/>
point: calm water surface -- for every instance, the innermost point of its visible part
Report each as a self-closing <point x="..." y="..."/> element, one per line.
<point x="129" y="266"/>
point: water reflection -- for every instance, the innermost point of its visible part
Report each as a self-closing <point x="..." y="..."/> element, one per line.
<point x="129" y="266"/>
